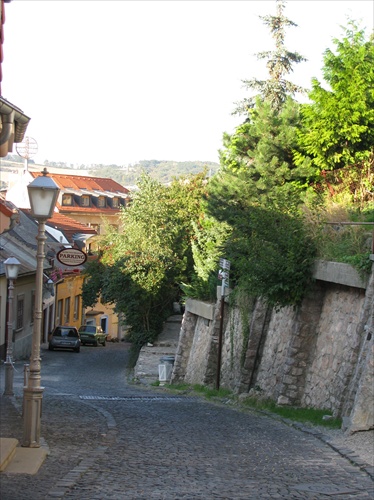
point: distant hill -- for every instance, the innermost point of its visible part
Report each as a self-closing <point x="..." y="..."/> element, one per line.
<point x="163" y="171"/>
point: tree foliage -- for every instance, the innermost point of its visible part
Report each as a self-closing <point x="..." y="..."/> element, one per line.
<point x="140" y="268"/>
<point x="337" y="137"/>
<point x="270" y="250"/>
<point x="161" y="170"/>
<point x="260" y="155"/>
<point x="259" y="189"/>
<point x="280" y="62"/>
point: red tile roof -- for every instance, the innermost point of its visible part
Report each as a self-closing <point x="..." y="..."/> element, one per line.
<point x="7" y="207"/>
<point x="66" y="225"/>
<point x="88" y="183"/>
<point x="69" y="226"/>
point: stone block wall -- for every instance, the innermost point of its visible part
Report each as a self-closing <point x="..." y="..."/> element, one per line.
<point x="338" y="340"/>
<point x="317" y="355"/>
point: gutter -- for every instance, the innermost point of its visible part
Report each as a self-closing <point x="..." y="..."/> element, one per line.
<point x="14" y="124"/>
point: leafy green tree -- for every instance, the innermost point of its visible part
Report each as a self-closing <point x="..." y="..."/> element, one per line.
<point x="207" y="248"/>
<point x="337" y="137"/>
<point x="140" y="268"/>
<point x="270" y="250"/>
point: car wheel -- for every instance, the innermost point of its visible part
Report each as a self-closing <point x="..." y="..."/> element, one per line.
<point x="104" y="342"/>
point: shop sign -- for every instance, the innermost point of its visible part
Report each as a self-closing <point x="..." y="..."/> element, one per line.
<point x="71" y="257"/>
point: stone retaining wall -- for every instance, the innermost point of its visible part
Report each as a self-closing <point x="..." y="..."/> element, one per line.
<point x="318" y="355"/>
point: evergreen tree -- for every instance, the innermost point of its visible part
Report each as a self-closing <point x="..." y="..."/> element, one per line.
<point x="261" y="151"/>
<point x="259" y="188"/>
<point x="276" y="88"/>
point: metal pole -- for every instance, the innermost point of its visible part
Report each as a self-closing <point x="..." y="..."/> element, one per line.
<point x="33" y="392"/>
<point x="220" y="336"/>
<point x="9" y="368"/>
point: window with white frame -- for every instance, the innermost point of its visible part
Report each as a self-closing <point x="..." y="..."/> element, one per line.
<point x="67" y="199"/>
<point x="101" y="202"/>
<point x="67" y="310"/>
<point x="85" y="201"/>
<point x="59" y="312"/>
<point x="76" y="306"/>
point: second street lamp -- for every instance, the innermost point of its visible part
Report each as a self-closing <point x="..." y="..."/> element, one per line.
<point x="11" y="266"/>
<point x="43" y="193"/>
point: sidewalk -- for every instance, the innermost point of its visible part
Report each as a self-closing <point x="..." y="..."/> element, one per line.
<point x="146" y="368"/>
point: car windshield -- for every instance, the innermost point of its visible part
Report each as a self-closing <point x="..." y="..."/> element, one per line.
<point x="88" y="328"/>
<point x="65" y="332"/>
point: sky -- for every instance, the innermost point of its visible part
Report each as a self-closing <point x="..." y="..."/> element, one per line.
<point x="119" y="81"/>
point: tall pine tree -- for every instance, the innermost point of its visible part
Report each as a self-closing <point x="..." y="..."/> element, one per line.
<point x="260" y="152"/>
<point x="280" y="62"/>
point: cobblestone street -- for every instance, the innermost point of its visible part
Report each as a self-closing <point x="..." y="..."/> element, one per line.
<point x="110" y="439"/>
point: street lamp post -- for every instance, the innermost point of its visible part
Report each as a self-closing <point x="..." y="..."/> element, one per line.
<point x="43" y="193"/>
<point x="11" y="271"/>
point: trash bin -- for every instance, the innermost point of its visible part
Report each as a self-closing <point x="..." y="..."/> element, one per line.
<point x="165" y="368"/>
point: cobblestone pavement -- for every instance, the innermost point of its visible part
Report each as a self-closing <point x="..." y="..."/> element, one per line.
<point x="110" y="439"/>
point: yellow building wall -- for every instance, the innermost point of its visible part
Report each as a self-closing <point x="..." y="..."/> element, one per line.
<point x="103" y="315"/>
<point x="68" y="302"/>
<point x="69" y="308"/>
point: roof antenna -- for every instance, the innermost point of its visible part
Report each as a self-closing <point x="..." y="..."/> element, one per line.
<point x="27" y="149"/>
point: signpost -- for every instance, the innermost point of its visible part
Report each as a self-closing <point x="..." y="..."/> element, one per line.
<point x="223" y="274"/>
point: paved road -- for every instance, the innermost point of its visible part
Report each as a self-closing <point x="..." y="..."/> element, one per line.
<point x="109" y="439"/>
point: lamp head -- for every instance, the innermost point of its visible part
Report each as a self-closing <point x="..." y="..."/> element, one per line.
<point x="43" y="193"/>
<point x="11" y="266"/>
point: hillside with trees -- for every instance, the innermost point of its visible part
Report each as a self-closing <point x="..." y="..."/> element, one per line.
<point x="161" y="171"/>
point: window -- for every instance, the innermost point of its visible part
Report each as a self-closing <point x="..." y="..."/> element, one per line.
<point x="59" y="313"/>
<point x="32" y="306"/>
<point x="67" y="310"/>
<point x="96" y="227"/>
<point x="85" y="201"/>
<point x="115" y="202"/>
<point x="76" y="307"/>
<point x="101" y="202"/>
<point x="67" y="199"/>
<point x="20" y="311"/>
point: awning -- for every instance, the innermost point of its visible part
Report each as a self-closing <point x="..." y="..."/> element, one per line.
<point x="94" y="312"/>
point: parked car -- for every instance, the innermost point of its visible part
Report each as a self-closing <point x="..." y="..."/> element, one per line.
<point x="65" y="337"/>
<point x="92" y="334"/>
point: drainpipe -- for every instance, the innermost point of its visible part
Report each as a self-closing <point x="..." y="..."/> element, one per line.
<point x="7" y="127"/>
<point x="14" y="124"/>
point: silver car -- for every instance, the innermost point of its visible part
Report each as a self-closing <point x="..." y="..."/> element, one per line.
<point x="65" y="337"/>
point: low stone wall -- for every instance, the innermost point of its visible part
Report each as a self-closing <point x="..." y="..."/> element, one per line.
<point x="318" y="355"/>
